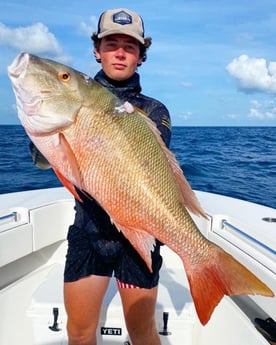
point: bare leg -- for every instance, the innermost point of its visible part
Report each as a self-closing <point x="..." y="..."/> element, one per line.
<point x="83" y="300"/>
<point x="139" y="310"/>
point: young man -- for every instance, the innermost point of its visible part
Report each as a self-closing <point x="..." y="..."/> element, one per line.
<point x="96" y="250"/>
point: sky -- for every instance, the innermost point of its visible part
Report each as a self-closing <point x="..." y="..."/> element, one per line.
<point x="212" y="62"/>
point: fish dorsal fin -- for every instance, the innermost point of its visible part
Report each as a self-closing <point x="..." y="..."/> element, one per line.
<point x="188" y="197"/>
<point x="142" y="242"/>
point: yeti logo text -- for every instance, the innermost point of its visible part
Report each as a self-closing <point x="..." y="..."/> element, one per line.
<point x="111" y="331"/>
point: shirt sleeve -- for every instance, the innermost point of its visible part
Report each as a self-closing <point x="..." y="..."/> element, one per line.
<point x="39" y="160"/>
<point x="160" y="115"/>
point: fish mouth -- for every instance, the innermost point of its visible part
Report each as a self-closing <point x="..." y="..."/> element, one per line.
<point x="18" y="67"/>
<point x="17" y="72"/>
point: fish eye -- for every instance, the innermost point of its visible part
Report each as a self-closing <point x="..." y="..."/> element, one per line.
<point x="64" y="76"/>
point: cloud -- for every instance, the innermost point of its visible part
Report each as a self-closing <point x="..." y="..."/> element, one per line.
<point x="253" y="75"/>
<point x="187" y="85"/>
<point x="34" y="39"/>
<point x="262" y="110"/>
<point x="186" y="115"/>
<point x="233" y="116"/>
<point x="88" y="29"/>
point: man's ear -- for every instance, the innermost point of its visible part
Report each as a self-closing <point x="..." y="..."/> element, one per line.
<point x="97" y="54"/>
<point x="139" y="63"/>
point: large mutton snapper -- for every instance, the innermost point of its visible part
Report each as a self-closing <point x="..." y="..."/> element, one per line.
<point x="114" y="152"/>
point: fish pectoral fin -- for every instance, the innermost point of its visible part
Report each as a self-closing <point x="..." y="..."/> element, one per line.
<point x="67" y="184"/>
<point x="142" y="242"/>
<point x="66" y="154"/>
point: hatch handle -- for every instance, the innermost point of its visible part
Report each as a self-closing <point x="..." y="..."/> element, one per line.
<point x="55" y="327"/>
<point x="165" y="324"/>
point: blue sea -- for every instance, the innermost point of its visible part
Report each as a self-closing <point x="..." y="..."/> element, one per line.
<point x="234" y="161"/>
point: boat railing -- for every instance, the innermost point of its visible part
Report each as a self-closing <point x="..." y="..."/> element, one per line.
<point x="9" y="218"/>
<point x="227" y="225"/>
<point x="238" y="235"/>
<point x="13" y="217"/>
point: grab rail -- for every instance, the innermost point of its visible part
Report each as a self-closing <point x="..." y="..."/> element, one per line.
<point x="226" y="224"/>
<point x="8" y="218"/>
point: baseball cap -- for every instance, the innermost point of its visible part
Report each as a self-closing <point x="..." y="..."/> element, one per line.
<point x="121" y="21"/>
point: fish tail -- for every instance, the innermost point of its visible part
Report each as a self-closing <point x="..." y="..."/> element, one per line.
<point x="221" y="275"/>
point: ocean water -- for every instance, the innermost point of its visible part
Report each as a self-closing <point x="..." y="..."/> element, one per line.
<point x="233" y="161"/>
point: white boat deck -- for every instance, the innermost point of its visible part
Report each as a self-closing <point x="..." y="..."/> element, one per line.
<point x="32" y="251"/>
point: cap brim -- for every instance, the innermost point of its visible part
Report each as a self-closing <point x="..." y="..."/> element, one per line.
<point x="123" y="32"/>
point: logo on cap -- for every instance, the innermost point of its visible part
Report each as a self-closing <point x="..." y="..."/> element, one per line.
<point x="122" y="18"/>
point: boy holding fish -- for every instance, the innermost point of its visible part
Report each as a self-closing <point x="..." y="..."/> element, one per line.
<point x="97" y="250"/>
<point x="99" y="144"/>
